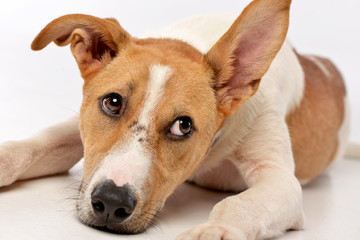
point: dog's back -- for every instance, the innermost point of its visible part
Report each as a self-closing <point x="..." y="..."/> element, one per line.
<point x="319" y="126"/>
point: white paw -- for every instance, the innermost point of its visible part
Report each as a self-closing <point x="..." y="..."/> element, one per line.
<point x="13" y="159"/>
<point x="208" y="231"/>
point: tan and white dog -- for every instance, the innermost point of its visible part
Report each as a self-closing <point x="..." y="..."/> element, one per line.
<point x="187" y="104"/>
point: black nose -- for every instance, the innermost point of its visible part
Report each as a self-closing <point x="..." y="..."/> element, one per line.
<point x="111" y="203"/>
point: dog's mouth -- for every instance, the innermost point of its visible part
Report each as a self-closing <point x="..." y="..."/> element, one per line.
<point x="132" y="226"/>
<point x="137" y="223"/>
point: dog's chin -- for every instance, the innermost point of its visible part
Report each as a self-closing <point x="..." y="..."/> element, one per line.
<point x="133" y="225"/>
<point x="129" y="227"/>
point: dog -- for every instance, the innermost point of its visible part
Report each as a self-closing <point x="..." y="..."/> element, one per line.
<point x="225" y="103"/>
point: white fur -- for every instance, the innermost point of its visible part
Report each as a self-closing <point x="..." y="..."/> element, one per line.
<point x="201" y="32"/>
<point x="126" y="165"/>
<point x="159" y="75"/>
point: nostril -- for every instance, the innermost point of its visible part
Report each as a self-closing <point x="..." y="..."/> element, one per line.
<point x="111" y="203"/>
<point x="98" y="206"/>
<point x="122" y="213"/>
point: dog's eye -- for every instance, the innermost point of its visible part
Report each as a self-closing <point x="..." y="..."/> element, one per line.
<point x="112" y="103"/>
<point x="181" y="127"/>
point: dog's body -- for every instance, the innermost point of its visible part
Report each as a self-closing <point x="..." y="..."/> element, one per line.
<point x="290" y="84"/>
<point x="295" y="123"/>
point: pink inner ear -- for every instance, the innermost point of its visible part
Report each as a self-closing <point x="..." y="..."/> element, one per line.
<point x="251" y="55"/>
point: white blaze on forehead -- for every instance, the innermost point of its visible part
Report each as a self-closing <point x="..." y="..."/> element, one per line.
<point x="130" y="162"/>
<point x="159" y="75"/>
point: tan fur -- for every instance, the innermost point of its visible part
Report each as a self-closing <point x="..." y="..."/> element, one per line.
<point x="314" y="126"/>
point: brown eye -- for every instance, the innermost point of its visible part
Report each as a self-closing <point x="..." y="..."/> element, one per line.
<point x="112" y="103"/>
<point x="181" y="127"/>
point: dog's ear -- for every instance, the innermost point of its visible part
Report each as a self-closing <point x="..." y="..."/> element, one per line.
<point x="244" y="53"/>
<point x="94" y="41"/>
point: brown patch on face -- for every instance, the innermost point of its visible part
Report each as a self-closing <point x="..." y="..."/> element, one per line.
<point x="315" y="124"/>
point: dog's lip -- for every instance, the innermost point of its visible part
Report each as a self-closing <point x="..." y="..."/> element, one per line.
<point x="103" y="227"/>
<point x="115" y="229"/>
<point x="132" y="225"/>
<point x="106" y="228"/>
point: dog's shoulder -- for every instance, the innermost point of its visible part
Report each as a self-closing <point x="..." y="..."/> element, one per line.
<point x="283" y="84"/>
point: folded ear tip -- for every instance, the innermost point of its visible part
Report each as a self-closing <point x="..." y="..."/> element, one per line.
<point x="34" y="46"/>
<point x="37" y="45"/>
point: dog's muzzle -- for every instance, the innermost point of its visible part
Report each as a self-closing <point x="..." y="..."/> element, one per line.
<point x="112" y="204"/>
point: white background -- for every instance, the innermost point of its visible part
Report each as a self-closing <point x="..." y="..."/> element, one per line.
<point x="38" y="89"/>
<point x="41" y="88"/>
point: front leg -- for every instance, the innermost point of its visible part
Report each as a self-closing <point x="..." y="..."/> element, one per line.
<point x="53" y="150"/>
<point x="273" y="202"/>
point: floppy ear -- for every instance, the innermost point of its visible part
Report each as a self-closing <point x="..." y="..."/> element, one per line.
<point x="94" y="41"/>
<point x="244" y="53"/>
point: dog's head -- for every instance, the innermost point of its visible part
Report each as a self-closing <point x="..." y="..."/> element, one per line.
<point x="152" y="107"/>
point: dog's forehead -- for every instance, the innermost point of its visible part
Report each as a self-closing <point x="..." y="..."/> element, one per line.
<point x="159" y="80"/>
<point x="133" y="64"/>
<point x="168" y="50"/>
<point x="157" y="68"/>
<point x="182" y="58"/>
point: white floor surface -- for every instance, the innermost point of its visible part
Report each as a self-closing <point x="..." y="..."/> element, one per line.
<point x="44" y="209"/>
